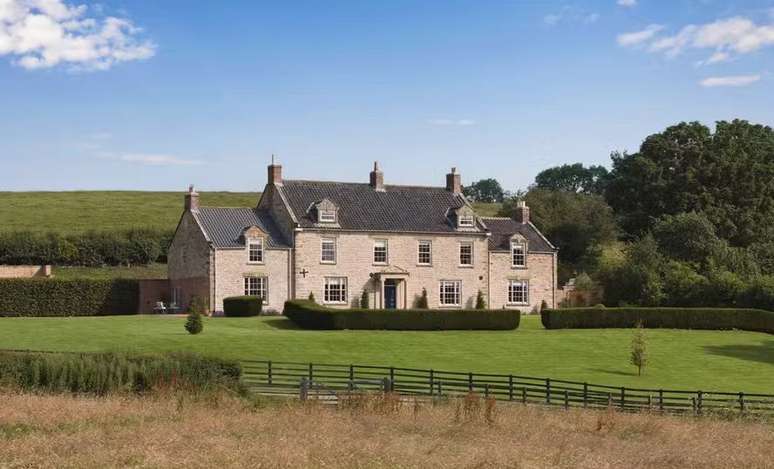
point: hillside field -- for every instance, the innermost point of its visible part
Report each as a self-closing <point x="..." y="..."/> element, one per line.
<point x="679" y="359"/>
<point x="79" y="211"/>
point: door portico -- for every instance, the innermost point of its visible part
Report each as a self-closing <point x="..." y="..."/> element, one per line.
<point x="392" y="289"/>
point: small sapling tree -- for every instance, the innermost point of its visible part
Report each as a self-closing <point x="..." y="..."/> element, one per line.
<point x="194" y="323"/>
<point x="639" y="352"/>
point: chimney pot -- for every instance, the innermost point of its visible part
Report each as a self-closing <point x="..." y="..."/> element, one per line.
<point x="454" y="181"/>
<point x="376" y="178"/>
<point x="275" y="173"/>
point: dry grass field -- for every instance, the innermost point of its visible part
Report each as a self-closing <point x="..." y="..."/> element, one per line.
<point x="63" y="431"/>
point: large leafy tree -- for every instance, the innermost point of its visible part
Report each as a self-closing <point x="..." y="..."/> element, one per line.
<point x="728" y="175"/>
<point x="485" y="190"/>
<point x="573" y="178"/>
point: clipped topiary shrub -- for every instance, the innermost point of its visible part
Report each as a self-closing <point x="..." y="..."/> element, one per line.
<point x="79" y="297"/>
<point x="422" y="302"/>
<point x="480" y="301"/>
<point x="242" y="306"/>
<point x="670" y="318"/>
<point x="310" y="315"/>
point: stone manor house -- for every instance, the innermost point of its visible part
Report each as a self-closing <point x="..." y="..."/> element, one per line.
<point x="339" y="239"/>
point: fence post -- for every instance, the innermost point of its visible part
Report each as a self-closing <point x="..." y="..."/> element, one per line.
<point x="486" y="390"/>
<point x="524" y="395"/>
<point x="585" y="395"/>
<point x="661" y="400"/>
<point x="623" y="397"/>
<point x="741" y="402"/>
<point x="610" y="400"/>
<point x="392" y="377"/>
<point x="352" y="372"/>
<point x="440" y="392"/>
<point x="693" y="405"/>
<point x="566" y="399"/>
<point x="510" y="387"/>
<point x="303" y="389"/>
<point x="548" y="390"/>
<point x="268" y="372"/>
<point x="432" y="383"/>
<point x="386" y="385"/>
<point x="470" y="382"/>
<point x="311" y="374"/>
<point x="699" y="401"/>
<point x="650" y="402"/>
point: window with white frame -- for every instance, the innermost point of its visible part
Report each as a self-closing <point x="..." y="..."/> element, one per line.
<point x="335" y="290"/>
<point x="425" y="252"/>
<point x="327" y="216"/>
<point x="255" y="251"/>
<point x="466" y="221"/>
<point x="380" y="251"/>
<point x="518" y="292"/>
<point x="257" y="286"/>
<point x="466" y="253"/>
<point x="518" y="254"/>
<point x="450" y="293"/>
<point x="328" y="251"/>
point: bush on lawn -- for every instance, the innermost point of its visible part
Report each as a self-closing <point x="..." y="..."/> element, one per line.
<point x="242" y="306"/>
<point x="132" y="247"/>
<point x="671" y="318"/>
<point x="109" y="373"/>
<point x="80" y="297"/>
<point x="309" y="315"/>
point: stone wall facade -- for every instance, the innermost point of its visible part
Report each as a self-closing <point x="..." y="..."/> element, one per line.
<point x="232" y="266"/>
<point x="540" y="272"/>
<point x="188" y="264"/>
<point x="354" y="260"/>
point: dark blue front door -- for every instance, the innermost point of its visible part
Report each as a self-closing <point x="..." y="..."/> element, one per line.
<point x="390" y="294"/>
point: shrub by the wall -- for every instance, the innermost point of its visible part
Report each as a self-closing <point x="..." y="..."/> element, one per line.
<point x="242" y="306"/>
<point x="82" y="297"/>
<point x="313" y="316"/>
<point x="671" y="318"/>
<point x="108" y="373"/>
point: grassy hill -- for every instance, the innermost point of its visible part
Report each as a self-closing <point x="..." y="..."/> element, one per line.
<point x="79" y="211"/>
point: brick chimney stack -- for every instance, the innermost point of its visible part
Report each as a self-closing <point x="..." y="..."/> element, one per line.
<point x="454" y="182"/>
<point x="192" y="200"/>
<point x="521" y="213"/>
<point x="377" y="178"/>
<point x="275" y="173"/>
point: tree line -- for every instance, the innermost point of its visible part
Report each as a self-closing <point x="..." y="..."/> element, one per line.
<point x="684" y="221"/>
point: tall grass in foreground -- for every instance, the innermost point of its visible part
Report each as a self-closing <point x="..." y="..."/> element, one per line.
<point x="109" y="373"/>
<point x="167" y="431"/>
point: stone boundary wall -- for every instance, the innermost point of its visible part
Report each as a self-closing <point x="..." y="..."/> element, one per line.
<point x="24" y="271"/>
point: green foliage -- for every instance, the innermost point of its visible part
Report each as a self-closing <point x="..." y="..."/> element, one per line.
<point x="573" y="178"/>
<point x="688" y="237"/>
<point x="53" y="297"/>
<point x="638" y="279"/>
<point x="109" y="373"/>
<point x="132" y="247"/>
<point x="480" y="301"/>
<point x="309" y="315"/>
<point x="422" y="301"/>
<point x="311" y="297"/>
<point x="686" y="168"/>
<point x="364" y="300"/>
<point x="242" y="306"/>
<point x="639" y="352"/>
<point x="194" y="323"/>
<point x="485" y="190"/>
<point x="577" y="224"/>
<point x="672" y="318"/>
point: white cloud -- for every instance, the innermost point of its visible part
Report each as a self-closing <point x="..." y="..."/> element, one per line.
<point x="48" y="33"/>
<point x="449" y="122"/>
<point x="156" y="159"/>
<point x="627" y="3"/>
<point x="738" y="80"/>
<point x="726" y="37"/>
<point x="638" y="37"/>
<point x="571" y="14"/>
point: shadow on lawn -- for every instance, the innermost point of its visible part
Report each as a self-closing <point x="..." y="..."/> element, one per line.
<point x="764" y="352"/>
<point x="614" y="372"/>
<point x="282" y="323"/>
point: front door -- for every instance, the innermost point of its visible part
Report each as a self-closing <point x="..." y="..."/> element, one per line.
<point x="390" y="294"/>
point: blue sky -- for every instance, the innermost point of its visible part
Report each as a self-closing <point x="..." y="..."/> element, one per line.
<point x="156" y="95"/>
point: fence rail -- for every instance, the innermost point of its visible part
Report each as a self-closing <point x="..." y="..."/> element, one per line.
<point x="288" y="379"/>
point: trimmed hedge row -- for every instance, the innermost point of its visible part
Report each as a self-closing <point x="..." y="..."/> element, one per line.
<point x="133" y="247"/>
<point x="108" y="373"/>
<point x="309" y="315"/>
<point x="81" y="297"/>
<point x="242" y="306"/>
<point x="671" y="318"/>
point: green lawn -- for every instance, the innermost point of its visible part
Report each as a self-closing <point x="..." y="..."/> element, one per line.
<point x="79" y="211"/>
<point x="706" y="360"/>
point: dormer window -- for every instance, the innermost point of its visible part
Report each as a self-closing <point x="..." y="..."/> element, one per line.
<point x="327" y="216"/>
<point x="466" y="221"/>
<point x="255" y="251"/>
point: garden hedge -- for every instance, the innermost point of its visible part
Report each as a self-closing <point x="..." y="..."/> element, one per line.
<point x="242" y="306"/>
<point x="81" y="297"/>
<point x="671" y="318"/>
<point x="310" y="315"/>
<point x="108" y="373"/>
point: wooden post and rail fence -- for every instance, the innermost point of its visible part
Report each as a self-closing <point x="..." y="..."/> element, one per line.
<point x="293" y="379"/>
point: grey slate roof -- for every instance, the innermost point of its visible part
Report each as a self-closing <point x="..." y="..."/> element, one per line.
<point x="503" y="228"/>
<point x="224" y="226"/>
<point x="396" y="209"/>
